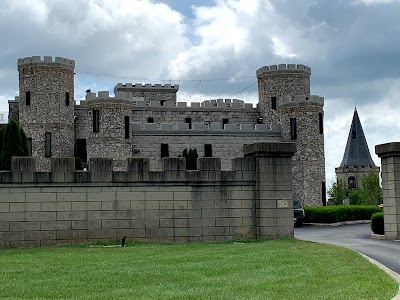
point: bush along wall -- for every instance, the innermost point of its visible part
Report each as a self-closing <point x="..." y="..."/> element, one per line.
<point x="340" y="213"/>
<point x="377" y="223"/>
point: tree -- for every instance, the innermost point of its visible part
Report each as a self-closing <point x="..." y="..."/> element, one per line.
<point x="355" y="197"/>
<point x="24" y="142"/>
<point x="12" y="145"/>
<point x="191" y="158"/>
<point x="338" y="191"/>
<point x="2" y="130"/>
<point x="371" y="192"/>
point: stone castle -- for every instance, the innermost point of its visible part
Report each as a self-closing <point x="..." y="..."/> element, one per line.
<point x="146" y="121"/>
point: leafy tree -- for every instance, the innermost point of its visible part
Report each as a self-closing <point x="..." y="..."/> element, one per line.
<point x="338" y="192"/>
<point x="371" y="192"/>
<point x="355" y="197"/>
<point x="12" y="145"/>
<point x="2" y="130"/>
<point x="24" y="142"/>
<point x="191" y="158"/>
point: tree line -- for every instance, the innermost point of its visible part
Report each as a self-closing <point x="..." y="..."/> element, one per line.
<point x="13" y="142"/>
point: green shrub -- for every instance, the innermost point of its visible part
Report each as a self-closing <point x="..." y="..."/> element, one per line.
<point x="340" y="213"/>
<point x="78" y="163"/>
<point x="377" y="223"/>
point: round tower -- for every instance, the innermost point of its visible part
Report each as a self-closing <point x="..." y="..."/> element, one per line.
<point x="301" y="119"/>
<point x="280" y="80"/>
<point x="109" y="133"/>
<point x="46" y="107"/>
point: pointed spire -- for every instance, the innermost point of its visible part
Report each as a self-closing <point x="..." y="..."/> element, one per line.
<point x="357" y="152"/>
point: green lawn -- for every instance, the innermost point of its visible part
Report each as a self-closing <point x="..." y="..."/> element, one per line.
<point x="276" y="269"/>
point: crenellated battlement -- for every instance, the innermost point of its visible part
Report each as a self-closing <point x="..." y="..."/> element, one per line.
<point x="123" y="96"/>
<point x="138" y="87"/>
<point x="300" y="100"/>
<point x="208" y="128"/>
<point x="47" y="60"/>
<point x="283" y="68"/>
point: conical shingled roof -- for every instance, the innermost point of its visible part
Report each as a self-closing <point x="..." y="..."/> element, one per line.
<point x="357" y="152"/>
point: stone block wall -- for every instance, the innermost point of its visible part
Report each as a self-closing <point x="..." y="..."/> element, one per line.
<point x="173" y="205"/>
<point x="390" y="161"/>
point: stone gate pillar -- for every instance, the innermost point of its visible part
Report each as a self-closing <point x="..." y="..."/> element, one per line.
<point x="390" y="158"/>
<point x="274" y="189"/>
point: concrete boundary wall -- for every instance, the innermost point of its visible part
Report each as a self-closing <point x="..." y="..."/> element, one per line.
<point x="390" y="158"/>
<point x="173" y="205"/>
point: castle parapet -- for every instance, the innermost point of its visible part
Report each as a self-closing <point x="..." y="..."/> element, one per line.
<point x="138" y="87"/>
<point x="120" y="97"/>
<point x="300" y="100"/>
<point x="282" y="68"/>
<point x="47" y="60"/>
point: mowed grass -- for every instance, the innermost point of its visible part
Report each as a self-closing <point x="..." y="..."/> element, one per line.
<point x="276" y="269"/>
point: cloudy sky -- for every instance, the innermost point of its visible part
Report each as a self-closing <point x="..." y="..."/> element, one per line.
<point x="212" y="48"/>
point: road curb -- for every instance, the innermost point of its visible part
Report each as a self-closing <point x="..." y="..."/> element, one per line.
<point x="338" y="223"/>
<point x="390" y="272"/>
<point x="377" y="236"/>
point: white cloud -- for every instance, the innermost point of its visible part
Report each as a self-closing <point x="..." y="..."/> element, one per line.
<point x="374" y="2"/>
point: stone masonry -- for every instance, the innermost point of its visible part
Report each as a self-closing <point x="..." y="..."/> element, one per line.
<point x="222" y="126"/>
<point x="390" y="159"/>
<point x="65" y="206"/>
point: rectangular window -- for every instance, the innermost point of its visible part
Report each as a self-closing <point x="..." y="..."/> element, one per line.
<point x="293" y="129"/>
<point x="96" y="120"/>
<point x="323" y="193"/>
<point x="189" y="121"/>
<point x="207" y="150"/>
<point x="67" y="99"/>
<point x="164" y="150"/>
<point x="260" y="120"/>
<point x="28" y="98"/>
<point x="273" y="102"/>
<point x="126" y="127"/>
<point x="47" y="144"/>
<point x="321" y="123"/>
<point x="150" y="120"/>
<point x="162" y="102"/>
<point x="224" y="121"/>
<point x="30" y="146"/>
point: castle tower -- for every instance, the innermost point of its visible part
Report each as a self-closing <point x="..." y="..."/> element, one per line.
<point x="109" y="131"/>
<point x="357" y="160"/>
<point x="280" y="80"/>
<point x="46" y="107"/>
<point x="301" y="119"/>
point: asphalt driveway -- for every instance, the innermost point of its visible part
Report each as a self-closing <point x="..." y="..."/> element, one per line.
<point x="357" y="237"/>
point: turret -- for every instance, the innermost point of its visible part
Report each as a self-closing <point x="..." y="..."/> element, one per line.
<point x="280" y="80"/>
<point x="46" y="107"/>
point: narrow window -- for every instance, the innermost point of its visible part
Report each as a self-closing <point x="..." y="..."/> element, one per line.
<point x="30" y="146"/>
<point x="207" y="150"/>
<point x="47" y="144"/>
<point x="96" y="120"/>
<point x="273" y="102"/>
<point x="323" y="193"/>
<point x="207" y="125"/>
<point x="67" y="99"/>
<point x="162" y="102"/>
<point x="321" y="123"/>
<point x="150" y="120"/>
<point x="126" y="127"/>
<point x="260" y="120"/>
<point x="224" y="121"/>
<point x="293" y="129"/>
<point x="164" y="150"/>
<point x="28" y="98"/>
<point x="189" y="121"/>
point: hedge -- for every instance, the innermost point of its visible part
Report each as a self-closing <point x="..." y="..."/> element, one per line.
<point x="339" y="213"/>
<point x="377" y="223"/>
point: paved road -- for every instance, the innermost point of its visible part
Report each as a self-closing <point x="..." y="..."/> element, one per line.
<point x="356" y="237"/>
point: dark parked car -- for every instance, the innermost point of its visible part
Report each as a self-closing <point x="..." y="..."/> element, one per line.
<point x="298" y="212"/>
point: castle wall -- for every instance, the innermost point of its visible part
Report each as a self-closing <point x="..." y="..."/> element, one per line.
<point x="48" y="82"/>
<point x="344" y="173"/>
<point x="148" y="92"/>
<point x="13" y="109"/>
<point x="173" y="205"/>
<point x="226" y="143"/>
